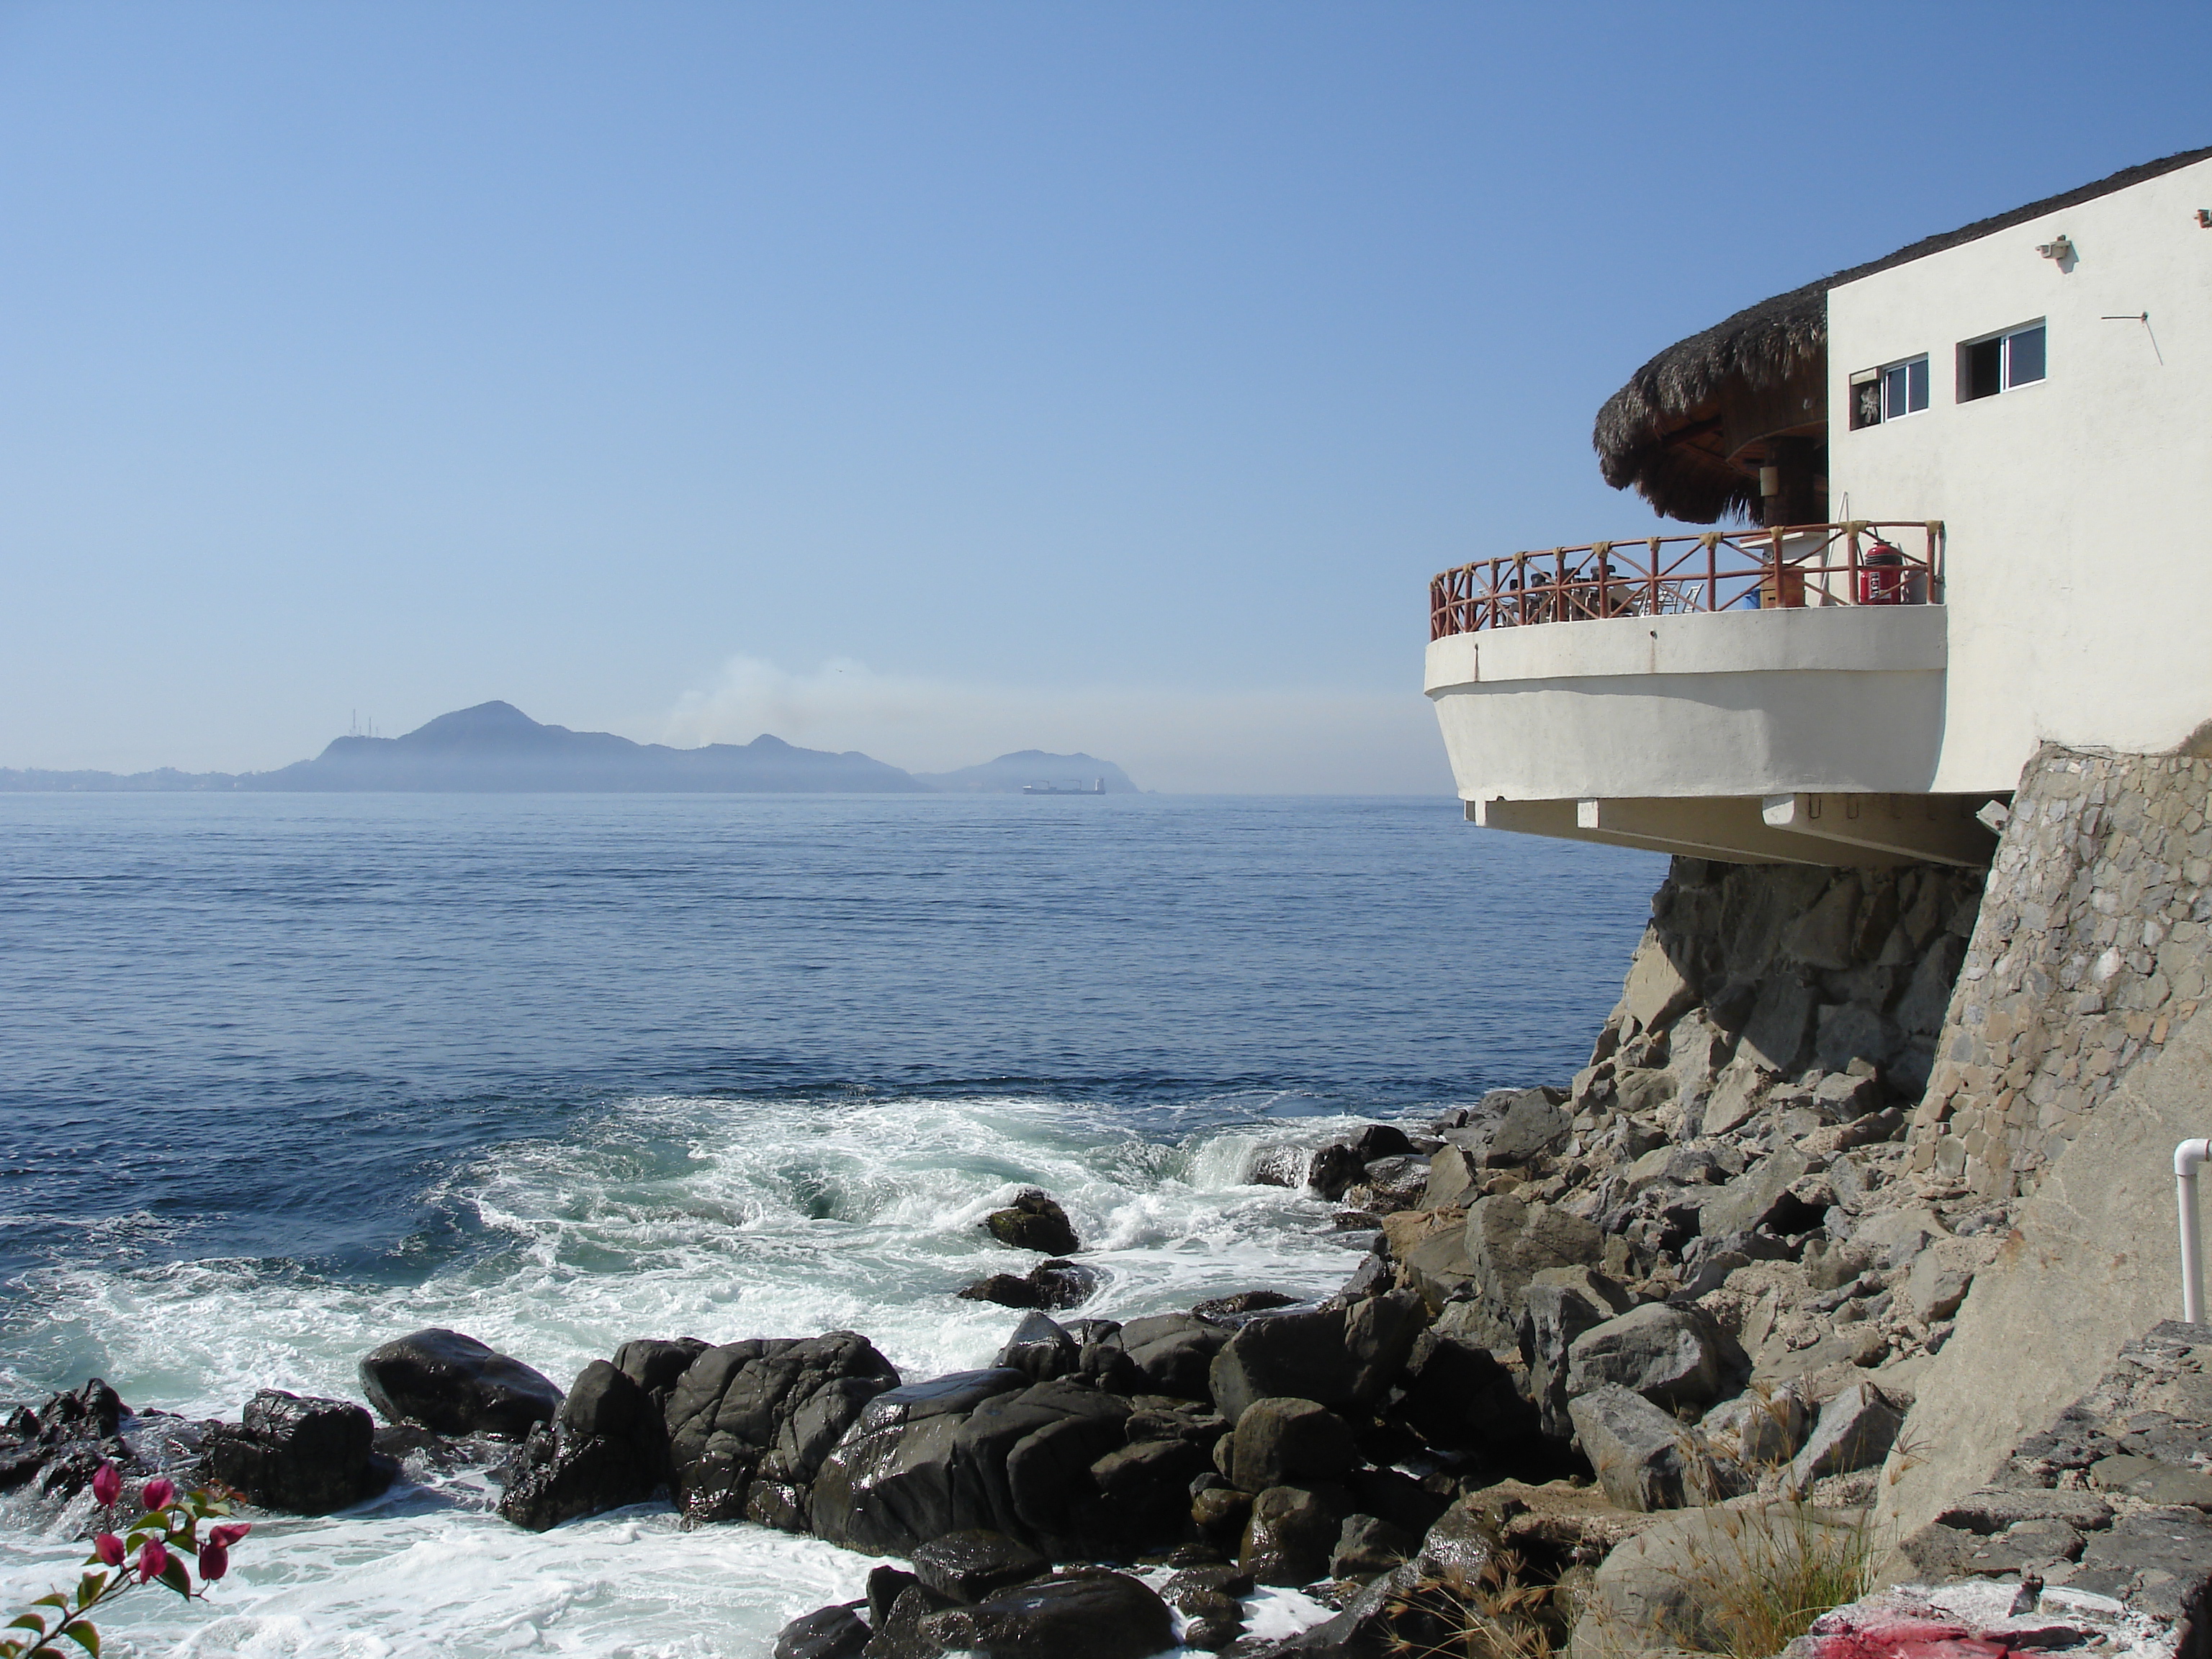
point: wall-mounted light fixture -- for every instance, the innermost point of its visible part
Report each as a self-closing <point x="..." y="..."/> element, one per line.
<point x="2204" y="218"/>
<point x="2058" y="247"/>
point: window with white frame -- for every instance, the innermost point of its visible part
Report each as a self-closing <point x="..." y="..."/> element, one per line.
<point x="2002" y="362"/>
<point x="1890" y="393"/>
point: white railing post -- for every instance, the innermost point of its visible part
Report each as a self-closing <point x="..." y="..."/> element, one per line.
<point x="2187" y="1157"/>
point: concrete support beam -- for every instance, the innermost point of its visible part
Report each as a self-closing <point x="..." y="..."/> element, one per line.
<point x="1733" y="829"/>
<point x="1730" y="828"/>
<point x="1941" y="828"/>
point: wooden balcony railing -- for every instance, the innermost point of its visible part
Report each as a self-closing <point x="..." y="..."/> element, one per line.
<point x="1860" y="562"/>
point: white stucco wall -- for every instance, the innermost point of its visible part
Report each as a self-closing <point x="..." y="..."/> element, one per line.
<point x="2079" y="509"/>
<point x="1748" y="703"/>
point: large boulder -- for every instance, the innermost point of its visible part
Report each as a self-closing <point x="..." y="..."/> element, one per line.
<point x="1290" y="1537"/>
<point x="607" y="1448"/>
<point x="1645" y="1459"/>
<point x="1856" y="1430"/>
<point x="1173" y="1352"/>
<point x="1557" y="1305"/>
<point x="1280" y="1441"/>
<point x="1509" y="1240"/>
<point x="972" y="1564"/>
<point x="1054" y="1284"/>
<point x="62" y="1443"/>
<point x="455" y="1385"/>
<point x="1458" y="1398"/>
<point x="836" y="1632"/>
<point x="1533" y="1124"/>
<point x="1029" y="1456"/>
<point x="301" y="1454"/>
<point x="1671" y="1356"/>
<point x="750" y="1423"/>
<point x="1334" y="1357"/>
<point x="1085" y="1615"/>
<point x="896" y="1478"/>
<point x="1040" y="1350"/>
<point x="1034" y="1222"/>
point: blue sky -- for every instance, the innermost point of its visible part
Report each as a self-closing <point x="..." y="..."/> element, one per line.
<point x="931" y="379"/>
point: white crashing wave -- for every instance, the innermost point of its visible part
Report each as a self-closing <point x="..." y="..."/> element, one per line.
<point x="716" y="1219"/>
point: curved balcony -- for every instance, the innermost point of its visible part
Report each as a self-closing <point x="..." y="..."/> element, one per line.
<point x="1670" y="692"/>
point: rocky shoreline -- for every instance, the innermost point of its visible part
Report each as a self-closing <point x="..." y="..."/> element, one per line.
<point x="1702" y="1276"/>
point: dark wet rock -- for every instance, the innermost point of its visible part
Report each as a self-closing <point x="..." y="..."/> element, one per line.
<point x="1334" y="1169"/>
<point x="299" y="1453"/>
<point x="1234" y="1310"/>
<point x="1333" y="1356"/>
<point x="1218" y="1578"/>
<point x="1034" y="1222"/>
<point x="1393" y="1495"/>
<point x="1379" y="1140"/>
<point x="892" y="1481"/>
<point x="826" y="1633"/>
<point x="1174" y="1352"/>
<point x="456" y="1385"/>
<point x="1288" y="1539"/>
<point x="1372" y="1277"/>
<point x="978" y="1449"/>
<point x="1279" y="1441"/>
<point x="606" y="1448"/>
<point x="1390" y="1184"/>
<point x="750" y="1423"/>
<point x="1220" y="1513"/>
<point x="1093" y="1614"/>
<point x="1040" y="1350"/>
<point x="1458" y="1398"/>
<point x="1277" y="1166"/>
<point x="1054" y="1284"/>
<point x="1645" y="1459"/>
<point x="1671" y="1356"/>
<point x="62" y="1443"/>
<point x="656" y="1364"/>
<point x="884" y="1585"/>
<point x="1367" y="1547"/>
<point x="1145" y="1488"/>
<point x="899" y="1633"/>
<point x="969" y="1565"/>
<point x="1031" y="1454"/>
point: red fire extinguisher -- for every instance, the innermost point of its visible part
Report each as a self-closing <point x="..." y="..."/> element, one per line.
<point x="1881" y="575"/>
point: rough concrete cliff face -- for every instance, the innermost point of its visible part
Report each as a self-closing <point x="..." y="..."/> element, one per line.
<point x="2088" y="953"/>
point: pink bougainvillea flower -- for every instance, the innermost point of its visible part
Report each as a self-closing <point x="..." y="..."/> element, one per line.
<point x="153" y="1560"/>
<point x="215" y="1560"/>
<point x="224" y="1537"/>
<point x="106" y="1485"/>
<point x="158" y="1493"/>
<point x="109" y="1548"/>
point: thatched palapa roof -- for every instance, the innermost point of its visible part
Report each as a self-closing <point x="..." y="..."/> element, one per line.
<point x="1661" y="432"/>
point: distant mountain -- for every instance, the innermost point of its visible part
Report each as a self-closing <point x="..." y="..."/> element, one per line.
<point x="1011" y="774"/>
<point x="496" y="747"/>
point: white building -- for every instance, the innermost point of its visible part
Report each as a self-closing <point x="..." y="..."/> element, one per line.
<point x="1982" y="472"/>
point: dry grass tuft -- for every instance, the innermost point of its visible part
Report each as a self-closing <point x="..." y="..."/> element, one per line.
<point x="1491" y="1615"/>
<point x="1763" y="1576"/>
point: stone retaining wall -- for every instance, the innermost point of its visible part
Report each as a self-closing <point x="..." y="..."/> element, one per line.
<point x="2090" y="946"/>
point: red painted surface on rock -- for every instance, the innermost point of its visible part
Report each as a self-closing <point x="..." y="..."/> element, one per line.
<point x="1906" y="1638"/>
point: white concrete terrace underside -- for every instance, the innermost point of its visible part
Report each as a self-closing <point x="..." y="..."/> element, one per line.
<point x="1805" y="736"/>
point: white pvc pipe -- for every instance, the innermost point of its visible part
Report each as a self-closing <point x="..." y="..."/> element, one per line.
<point x="2186" y="1157"/>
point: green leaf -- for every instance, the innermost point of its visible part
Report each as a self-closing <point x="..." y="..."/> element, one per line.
<point x="84" y="1635"/>
<point x="52" y="1598"/>
<point x="88" y="1588"/>
<point x="36" y="1622"/>
<point x="176" y="1577"/>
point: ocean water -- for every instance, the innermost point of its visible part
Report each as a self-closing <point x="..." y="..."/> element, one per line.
<point x="283" y="1076"/>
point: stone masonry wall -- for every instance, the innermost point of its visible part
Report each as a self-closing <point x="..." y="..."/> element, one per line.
<point x="2090" y="946"/>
